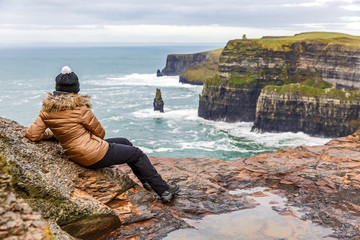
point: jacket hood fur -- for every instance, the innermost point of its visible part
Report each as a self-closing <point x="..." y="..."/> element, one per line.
<point x="57" y="103"/>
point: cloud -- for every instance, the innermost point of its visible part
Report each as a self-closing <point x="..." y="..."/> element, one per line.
<point x="316" y="3"/>
<point x="83" y="21"/>
<point x="351" y="7"/>
<point x="351" y="19"/>
<point x="129" y="34"/>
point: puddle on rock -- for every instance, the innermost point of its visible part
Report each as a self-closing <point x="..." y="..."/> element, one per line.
<point x="271" y="219"/>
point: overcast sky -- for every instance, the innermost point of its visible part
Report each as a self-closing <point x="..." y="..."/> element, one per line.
<point x="117" y="22"/>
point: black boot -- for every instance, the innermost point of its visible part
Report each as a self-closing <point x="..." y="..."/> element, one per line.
<point x="168" y="195"/>
<point x="147" y="186"/>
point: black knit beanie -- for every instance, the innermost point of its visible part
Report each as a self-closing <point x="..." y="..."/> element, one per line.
<point x="67" y="81"/>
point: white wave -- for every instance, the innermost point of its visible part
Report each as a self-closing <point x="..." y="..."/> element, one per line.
<point x="181" y="114"/>
<point x="34" y="97"/>
<point x="27" y="99"/>
<point x="146" y="150"/>
<point x="210" y="146"/>
<point x="113" y="118"/>
<point x="116" y="131"/>
<point x="165" y="150"/>
<point x="136" y="79"/>
<point x="180" y="97"/>
<point x="278" y="140"/>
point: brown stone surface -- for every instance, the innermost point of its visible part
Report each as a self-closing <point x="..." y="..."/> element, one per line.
<point x="17" y="220"/>
<point x="89" y="204"/>
<point x="323" y="181"/>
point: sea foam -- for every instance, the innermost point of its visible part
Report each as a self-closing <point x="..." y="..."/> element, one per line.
<point x="137" y="79"/>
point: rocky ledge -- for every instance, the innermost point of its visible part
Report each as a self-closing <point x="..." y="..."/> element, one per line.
<point x="323" y="181"/>
<point x="89" y="204"/>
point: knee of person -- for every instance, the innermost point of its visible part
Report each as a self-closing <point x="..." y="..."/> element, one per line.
<point x="127" y="142"/>
<point x="139" y="152"/>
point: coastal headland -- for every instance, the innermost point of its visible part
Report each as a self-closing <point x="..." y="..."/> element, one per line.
<point x="308" y="82"/>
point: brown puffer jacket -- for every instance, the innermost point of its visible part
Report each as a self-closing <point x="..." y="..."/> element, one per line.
<point x="75" y="126"/>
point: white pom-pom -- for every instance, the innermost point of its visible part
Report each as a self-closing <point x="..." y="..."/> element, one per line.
<point x="66" y="70"/>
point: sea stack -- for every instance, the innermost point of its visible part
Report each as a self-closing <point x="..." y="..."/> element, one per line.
<point x="159" y="73"/>
<point x="158" y="102"/>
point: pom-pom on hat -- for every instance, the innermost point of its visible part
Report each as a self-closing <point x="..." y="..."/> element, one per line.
<point x="67" y="81"/>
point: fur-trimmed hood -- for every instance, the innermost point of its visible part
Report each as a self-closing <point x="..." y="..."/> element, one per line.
<point x="57" y="103"/>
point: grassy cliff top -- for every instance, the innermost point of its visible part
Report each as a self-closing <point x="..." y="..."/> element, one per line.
<point x="197" y="72"/>
<point x="284" y="43"/>
<point x="312" y="91"/>
<point x="215" y="52"/>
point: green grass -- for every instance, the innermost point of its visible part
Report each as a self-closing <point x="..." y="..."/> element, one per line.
<point x="312" y="91"/>
<point x="317" y="84"/>
<point x="213" y="80"/>
<point x="242" y="80"/>
<point x="200" y="71"/>
<point x="285" y="43"/>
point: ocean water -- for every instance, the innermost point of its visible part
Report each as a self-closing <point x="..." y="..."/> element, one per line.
<point x="122" y="84"/>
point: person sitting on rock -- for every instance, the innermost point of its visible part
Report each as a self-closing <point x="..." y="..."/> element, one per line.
<point x="66" y="115"/>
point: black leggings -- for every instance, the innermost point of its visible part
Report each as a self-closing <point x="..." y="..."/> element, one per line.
<point x="122" y="151"/>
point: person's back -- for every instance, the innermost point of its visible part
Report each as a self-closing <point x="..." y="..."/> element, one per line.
<point x="70" y="119"/>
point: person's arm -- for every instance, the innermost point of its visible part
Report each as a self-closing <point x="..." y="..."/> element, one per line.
<point x="91" y="123"/>
<point x="38" y="131"/>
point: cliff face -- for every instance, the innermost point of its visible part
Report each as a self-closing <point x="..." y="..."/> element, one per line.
<point x="193" y="68"/>
<point x="228" y="103"/>
<point x="306" y="58"/>
<point x="336" y="64"/>
<point x="176" y="64"/>
<point x="322" y="181"/>
<point x="292" y="111"/>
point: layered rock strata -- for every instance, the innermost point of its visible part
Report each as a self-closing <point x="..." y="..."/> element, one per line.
<point x="293" y="111"/>
<point x="176" y="64"/>
<point x="309" y="57"/>
<point x="228" y="103"/>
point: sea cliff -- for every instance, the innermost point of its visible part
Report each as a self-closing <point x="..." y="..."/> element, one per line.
<point x="319" y="60"/>
<point x="323" y="114"/>
<point x="192" y="68"/>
